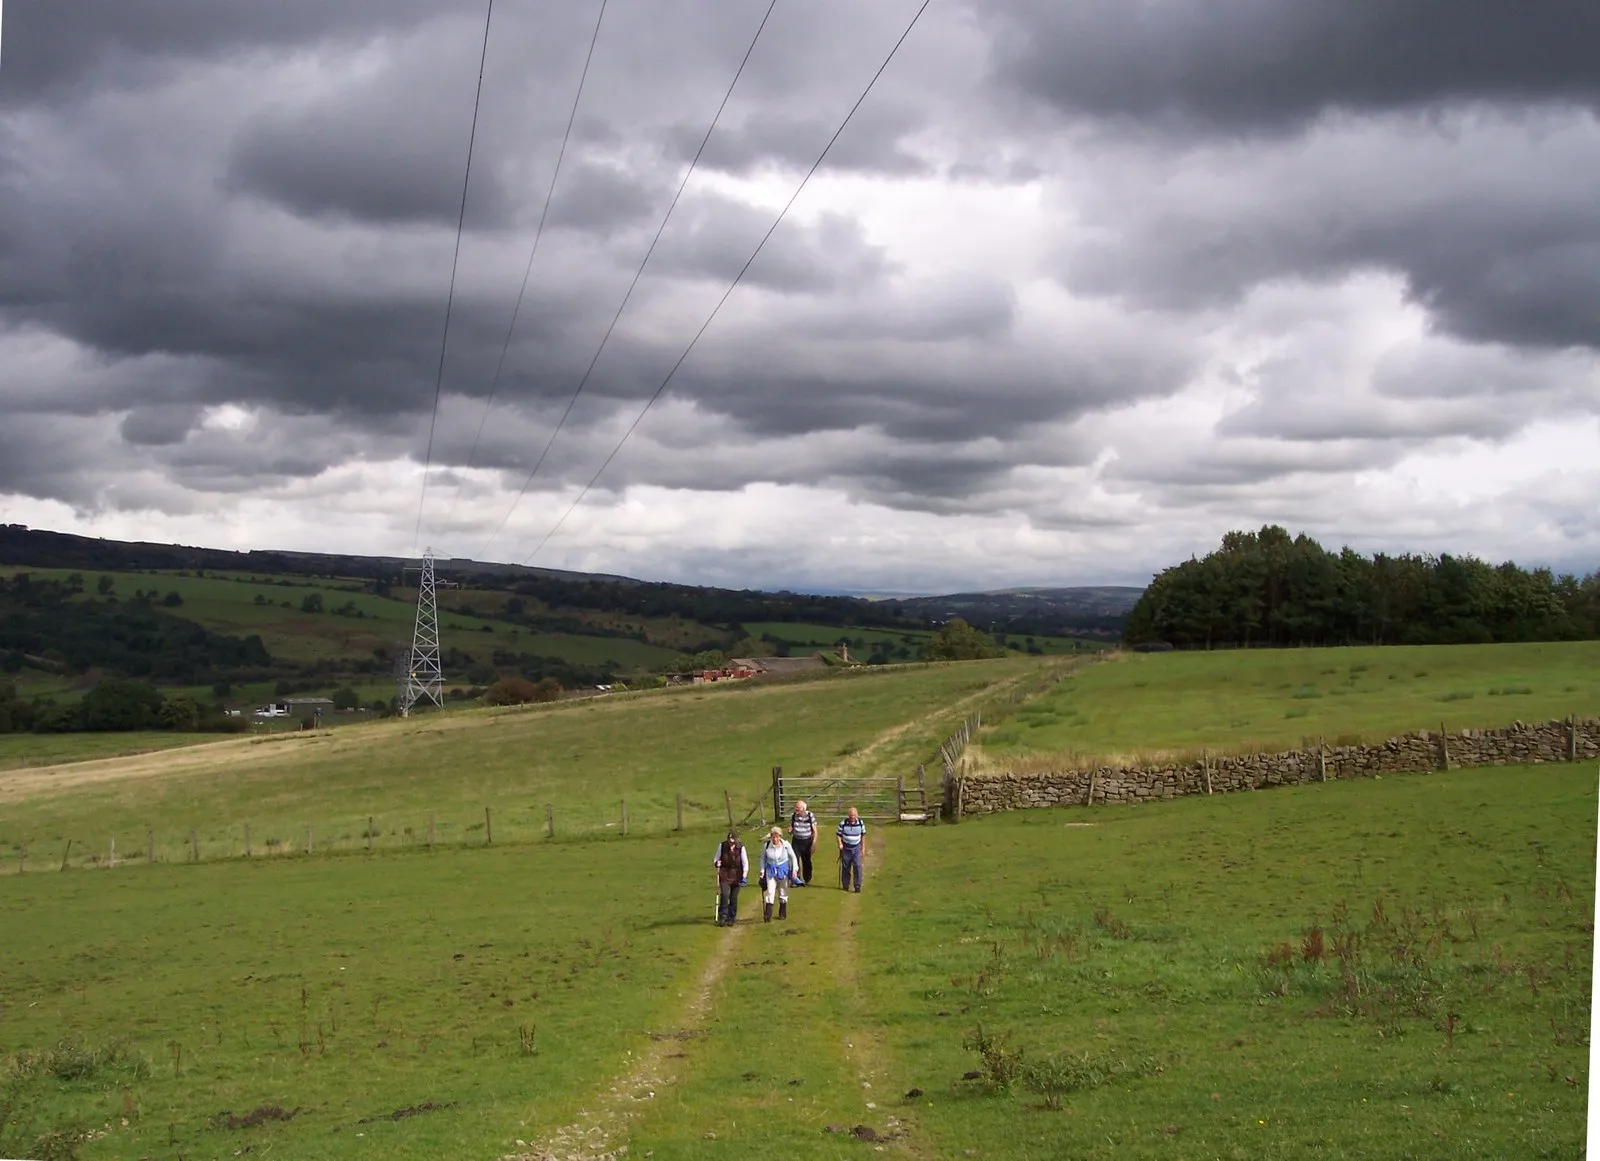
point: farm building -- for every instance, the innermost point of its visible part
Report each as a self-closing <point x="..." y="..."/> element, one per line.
<point x="312" y="711"/>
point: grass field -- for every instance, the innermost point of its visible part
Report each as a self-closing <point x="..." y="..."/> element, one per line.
<point x="1133" y="960"/>
<point x="827" y="636"/>
<point x="583" y="758"/>
<point x="229" y="604"/>
<point x="1373" y="968"/>
<point x="20" y="750"/>
<point x="1269" y="699"/>
<point x="341" y="991"/>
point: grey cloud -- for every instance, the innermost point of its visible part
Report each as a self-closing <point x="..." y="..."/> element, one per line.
<point x="870" y="144"/>
<point x="158" y="426"/>
<point x="1246" y="462"/>
<point x="255" y="204"/>
<point x="54" y="43"/>
<point x="1487" y="217"/>
<point x="713" y="236"/>
<point x="1273" y="63"/>
<point x="603" y="198"/>
<point x="972" y="306"/>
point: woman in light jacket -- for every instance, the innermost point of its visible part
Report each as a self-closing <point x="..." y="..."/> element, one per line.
<point x="778" y="866"/>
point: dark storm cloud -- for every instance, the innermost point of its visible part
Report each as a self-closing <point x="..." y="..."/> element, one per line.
<point x="159" y="425"/>
<point x="1272" y="63"/>
<point x="228" y="232"/>
<point x="55" y="43"/>
<point x="330" y="161"/>
<point x="1489" y="219"/>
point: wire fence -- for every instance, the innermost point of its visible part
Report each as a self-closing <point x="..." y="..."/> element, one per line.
<point x="506" y="824"/>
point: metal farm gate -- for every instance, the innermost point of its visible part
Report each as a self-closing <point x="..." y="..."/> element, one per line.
<point x="830" y="796"/>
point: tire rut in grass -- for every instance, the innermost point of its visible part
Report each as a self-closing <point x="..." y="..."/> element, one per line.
<point x="864" y="758"/>
<point x="601" y="1133"/>
<point x="863" y="1040"/>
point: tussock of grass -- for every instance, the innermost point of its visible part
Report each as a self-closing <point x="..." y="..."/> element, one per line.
<point x="1302" y="989"/>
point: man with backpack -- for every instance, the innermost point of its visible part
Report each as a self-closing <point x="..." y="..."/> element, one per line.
<point x="803" y="836"/>
<point x="852" y="834"/>
<point x="733" y="868"/>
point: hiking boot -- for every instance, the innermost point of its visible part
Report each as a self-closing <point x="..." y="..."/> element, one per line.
<point x="783" y="909"/>
<point x="766" y="913"/>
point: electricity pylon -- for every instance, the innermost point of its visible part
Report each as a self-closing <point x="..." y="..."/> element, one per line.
<point x="424" y="676"/>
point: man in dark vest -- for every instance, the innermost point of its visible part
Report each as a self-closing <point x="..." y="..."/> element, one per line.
<point x="733" y="868"/>
<point x="803" y="836"/>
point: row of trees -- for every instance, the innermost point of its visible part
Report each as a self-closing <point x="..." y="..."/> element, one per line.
<point x="44" y="619"/>
<point x="114" y="704"/>
<point x="1271" y="588"/>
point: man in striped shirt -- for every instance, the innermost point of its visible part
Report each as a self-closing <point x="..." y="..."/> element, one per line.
<point x="852" y="834"/>
<point x="803" y="834"/>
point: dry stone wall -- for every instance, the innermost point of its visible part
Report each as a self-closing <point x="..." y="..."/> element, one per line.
<point x="1518" y="744"/>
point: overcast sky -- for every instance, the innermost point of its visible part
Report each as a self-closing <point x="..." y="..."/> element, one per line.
<point x="1085" y="284"/>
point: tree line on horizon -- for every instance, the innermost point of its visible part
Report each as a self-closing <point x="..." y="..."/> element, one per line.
<point x="1269" y="588"/>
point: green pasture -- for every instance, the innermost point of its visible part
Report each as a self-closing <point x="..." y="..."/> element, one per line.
<point x="582" y="758"/>
<point x="828" y="636"/>
<point x="1362" y="968"/>
<point x="483" y="991"/>
<point x="229" y="605"/>
<point x="1148" y="984"/>
<point x="1263" y="699"/>
<point x="20" y="750"/>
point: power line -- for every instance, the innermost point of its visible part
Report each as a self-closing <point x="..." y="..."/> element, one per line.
<point x="494" y="384"/>
<point x="638" y="274"/>
<point x="734" y="284"/>
<point x="450" y="299"/>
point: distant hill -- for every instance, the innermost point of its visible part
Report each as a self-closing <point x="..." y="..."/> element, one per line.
<point x="1095" y="610"/>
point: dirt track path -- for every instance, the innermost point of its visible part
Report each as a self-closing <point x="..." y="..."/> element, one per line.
<point x="863" y="759"/>
<point x="601" y="1132"/>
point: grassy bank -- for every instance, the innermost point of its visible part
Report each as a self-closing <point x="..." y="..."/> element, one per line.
<point x="1272" y="699"/>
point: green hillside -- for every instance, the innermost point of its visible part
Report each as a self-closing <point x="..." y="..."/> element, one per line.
<point x="1151" y="703"/>
<point x="1363" y="969"/>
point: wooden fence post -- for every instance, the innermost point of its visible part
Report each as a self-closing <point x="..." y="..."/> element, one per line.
<point x="150" y="847"/>
<point x="1444" y="749"/>
<point x="727" y="801"/>
<point x="369" y="834"/>
<point x="488" y="828"/>
<point x="1322" y="759"/>
<point x="550" y="820"/>
<point x="111" y="858"/>
<point x="22" y="858"/>
<point x="194" y="845"/>
<point x="624" y="818"/>
<point x="247" y="840"/>
<point x="1205" y="768"/>
<point x="66" y="854"/>
<point x="1094" y="774"/>
<point x="680" y="812"/>
<point x="899" y="797"/>
<point x="777" y="793"/>
<point x="1572" y="737"/>
<point x="430" y="833"/>
<point x="310" y="839"/>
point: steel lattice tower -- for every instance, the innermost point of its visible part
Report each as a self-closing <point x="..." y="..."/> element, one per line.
<point x="424" y="676"/>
